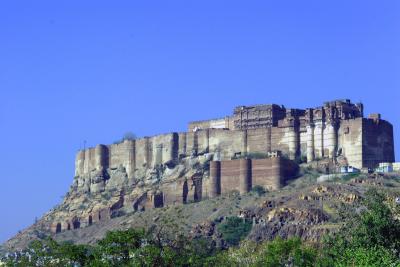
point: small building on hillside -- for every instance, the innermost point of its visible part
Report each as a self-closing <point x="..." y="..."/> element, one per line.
<point x="349" y="169"/>
<point x="385" y="167"/>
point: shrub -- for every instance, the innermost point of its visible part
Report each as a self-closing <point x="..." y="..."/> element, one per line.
<point x="350" y="176"/>
<point x="234" y="229"/>
<point x="259" y="190"/>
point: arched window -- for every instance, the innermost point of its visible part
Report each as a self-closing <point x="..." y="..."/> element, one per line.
<point x="90" y="220"/>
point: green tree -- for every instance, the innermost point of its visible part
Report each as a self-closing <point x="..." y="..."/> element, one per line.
<point x="360" y="257"/>
<point x="374" y="231"/>
<point x="118" y="246"/>
<point x="289" y="252"/>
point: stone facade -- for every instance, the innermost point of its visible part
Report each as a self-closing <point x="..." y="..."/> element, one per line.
<point x="336" y="129"/>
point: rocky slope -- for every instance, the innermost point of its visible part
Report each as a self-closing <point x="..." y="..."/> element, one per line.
<point x="303" y="208"/>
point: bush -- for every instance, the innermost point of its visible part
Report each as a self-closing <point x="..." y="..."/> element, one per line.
<point x="259" y="190"/>
<point x="234" y="229"/>
<point x="350" y="176"/>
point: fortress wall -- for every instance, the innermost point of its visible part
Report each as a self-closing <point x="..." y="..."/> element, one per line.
<point x="279" y="140"/>
<point x="164" y="148"/>
<point x="319" y="139"/>
<point x="330" y="141"/>
<point x="101" y="157"/>
<point x="120" y="154"/>
<point x="272" y="173"/>
<point x="191" y="142"/>
<point x="303" y="143"/>
<point x="310" y="150"/>
<point x="142" y="152"/>
<point x="377" y="145"/>
<point x="267" y="173"/>
<point x="89" y="163"/>
<point x="202" y="141"/>
<point x="79" y="163"/>
<point x="130" y="164"/>
<point x="226" y="142"/>
<point x="350" y="141"/>
<point x="229" y="176"/>
<point x="123" y="154"/>
<point x="258" y="140"/>
<point x="182" y="150"/>
<point x="245" y="176"/>
<point x="291" y="138"/>
<point x="197" y="141"/>
<point x="214" y="183"/>
<point x="230" y="121"/>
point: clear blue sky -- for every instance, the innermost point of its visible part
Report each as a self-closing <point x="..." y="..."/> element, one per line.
<point x="92" y="70"/>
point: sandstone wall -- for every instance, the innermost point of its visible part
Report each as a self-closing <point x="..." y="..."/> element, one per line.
<point x="229" y="176"/>
<point x="270" y="173"/>
<point x="144" y="152"/>
<point x="350" y="141"/>
<point x="182" y="146"/>
<point x="227" y="143"/>
<point x="377" y="145"/>
<point x="303" y="142"/>
<point x="164" y="148"/>
<point x="258" y="140"/>
<point x="124" y="155"/>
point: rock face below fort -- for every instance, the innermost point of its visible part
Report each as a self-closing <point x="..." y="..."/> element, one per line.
<point x="304" y="208"/>
<point x="216" y="164"/>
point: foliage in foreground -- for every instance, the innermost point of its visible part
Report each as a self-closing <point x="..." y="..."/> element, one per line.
<point x="370" y="238"/>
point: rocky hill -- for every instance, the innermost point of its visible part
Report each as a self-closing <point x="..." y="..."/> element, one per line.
<point x="308" y="207"/>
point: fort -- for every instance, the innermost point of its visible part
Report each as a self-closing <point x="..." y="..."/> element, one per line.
<point x="336" y="129"/>
<point x="256" y="146"/>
